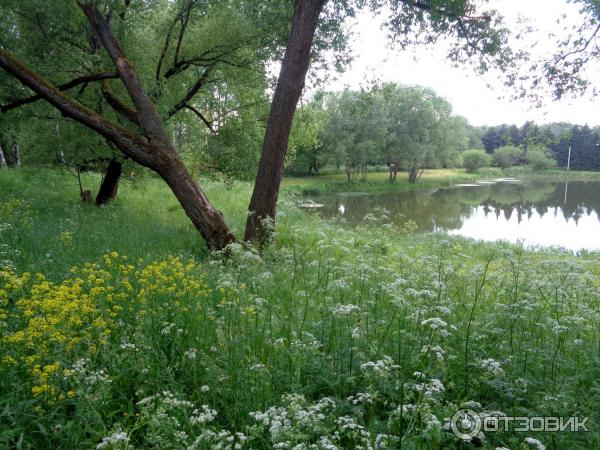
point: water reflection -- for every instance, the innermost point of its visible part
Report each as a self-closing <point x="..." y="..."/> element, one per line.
<point x="539" y="212"/>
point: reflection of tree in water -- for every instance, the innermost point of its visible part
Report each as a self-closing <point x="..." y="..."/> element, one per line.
<point x="447" y="209"/>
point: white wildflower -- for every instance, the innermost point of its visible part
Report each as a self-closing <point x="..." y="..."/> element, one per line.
<point x="491" y="366"/>
<point x="190" y="354"/>
<point x="535" y="443"/>
<point x="113" y="439"/>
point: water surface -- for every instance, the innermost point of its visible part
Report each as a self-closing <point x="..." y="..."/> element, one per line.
<point x="545" y="213"/>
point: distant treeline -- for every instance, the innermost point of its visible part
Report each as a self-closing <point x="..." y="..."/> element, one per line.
<point x="558" y="137"/>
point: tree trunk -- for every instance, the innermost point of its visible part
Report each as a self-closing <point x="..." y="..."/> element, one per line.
<point x="17" y="151"/>
<point x="412" y="174"/>
<point x="294" y="66"/>
<point x="3" y="164"/>
<point x="364" y="170"/>
<point x="206" y="218"/>
<point x="110" y="184"/>
<point x="350" y="171"/>
<point x="415" y="173"/>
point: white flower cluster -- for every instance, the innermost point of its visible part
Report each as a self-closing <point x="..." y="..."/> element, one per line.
<point x="190" y="354"/>
<point x="361" y="398"/>
<point x="535" y="443"/>
<point x="491" y="366"/>
<point x="295" y="414"/>
<point x="435" y="323"/>
<point x="203" y="415"/>
<point x="435" y="350"/>
<point x="380" y="367"/>
<point x="344" y="310"/>
<point x="430" y="389"/>
<point x="112" y="440"/>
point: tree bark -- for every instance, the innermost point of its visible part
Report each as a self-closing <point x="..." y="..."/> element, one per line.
<point x="3" y="164"/>
<point x="17" y="151"/>
<point x="110" y="184"/>
<point x="294" y="66"/>
<point x="205" y="217"/>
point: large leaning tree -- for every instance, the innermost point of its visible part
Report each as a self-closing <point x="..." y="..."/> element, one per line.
<point x="135" y="74"/>
<point x="137" y="127"/>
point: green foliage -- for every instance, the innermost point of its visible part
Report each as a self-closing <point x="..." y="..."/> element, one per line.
<point x="409" y="126"/>
<point x="537" y="157"/>
<point x="507" y="156"/>
<point x="473" y="160"/>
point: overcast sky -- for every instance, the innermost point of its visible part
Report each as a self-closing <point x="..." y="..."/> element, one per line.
<point x="468" y="92"/>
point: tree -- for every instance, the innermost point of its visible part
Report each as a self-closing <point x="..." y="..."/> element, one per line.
<point x="473" y="160"/>
<point x="537" y="157"/>
<point x="480" y="36"/>
<point x="203" y="65"/>
<point x="152" y="147"/>
<point x="507" y="156"/>
<point x="289" y="87"/>
<point x="479" y="33"/>
<point x="3" y="164"/>
<point x="306" y="139"/>
<point x="564" y="73"/>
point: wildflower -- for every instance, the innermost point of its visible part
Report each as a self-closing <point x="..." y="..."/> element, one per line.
<point x="491" y="366"/>
<point x="535" y="443"/>
<point x="380" y="367"/>
<point x="430" y="389"/>
<point x="113" y="439"/>
<point x="190" y="354"/>
<point x="205" y="388"/>
<point x="435" y="323"/>
<point x="203" y="415"/>
<point x="435" y="349"/>
<point x="360" y="398"/>
<point x="344" y="310"/>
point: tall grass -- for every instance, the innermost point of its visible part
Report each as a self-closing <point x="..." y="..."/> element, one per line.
<point x="133" y="336"/>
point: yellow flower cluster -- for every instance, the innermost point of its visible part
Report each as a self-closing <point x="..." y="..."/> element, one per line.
<point x="49" y="325"/>
<point x="171" y="278"/>
<point x="66" y="237"/>
<point x="10" y="285"/>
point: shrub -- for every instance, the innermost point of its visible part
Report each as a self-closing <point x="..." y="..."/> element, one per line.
<point x="539" y="160"/>
<point x="474" y="160"/>
<point x="507" y="156"/>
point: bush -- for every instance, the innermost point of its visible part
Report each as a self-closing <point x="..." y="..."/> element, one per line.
<point x="474" y="160"/>
<point x="507" y="156"/>
<point x="539" y="160"/>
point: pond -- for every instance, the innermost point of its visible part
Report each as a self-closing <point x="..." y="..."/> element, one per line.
<point x="537" y="213"/>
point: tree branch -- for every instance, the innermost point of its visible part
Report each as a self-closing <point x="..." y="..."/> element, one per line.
<point x="63" y="87"/>
<point x="147" y="115"/>
<point x="129" y="143"/>
<point x="202" y="118"/>
<point x="118" y="105"/>
<point x="190" y="93"/>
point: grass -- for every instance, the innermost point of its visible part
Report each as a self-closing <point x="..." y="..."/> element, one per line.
<point x="379" y="181"/>
<point x="119" y="330"/>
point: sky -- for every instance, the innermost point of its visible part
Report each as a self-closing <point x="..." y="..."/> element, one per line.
<point x="483" y="100"/>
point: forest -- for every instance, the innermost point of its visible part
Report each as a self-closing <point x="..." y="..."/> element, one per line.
<point x="174" y="273"/>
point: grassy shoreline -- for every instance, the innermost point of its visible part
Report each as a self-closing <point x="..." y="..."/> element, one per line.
<point x="379" y="181"/>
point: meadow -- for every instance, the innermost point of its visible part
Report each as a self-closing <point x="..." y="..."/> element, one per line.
<point x="119" y="330"/>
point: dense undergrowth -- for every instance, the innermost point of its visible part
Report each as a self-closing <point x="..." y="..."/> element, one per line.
<point x="118" y="330"/>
